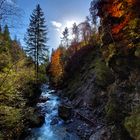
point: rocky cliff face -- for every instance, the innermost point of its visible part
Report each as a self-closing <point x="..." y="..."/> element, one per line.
<point x="106" y="99"/>
<point x="105" y="88"/>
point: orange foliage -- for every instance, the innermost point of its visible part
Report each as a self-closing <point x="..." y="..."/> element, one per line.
<point x="117" y="28"/>
<point x="56" y="67"/>
<point x="115" y="9"/>
<point x="131" y="2"/>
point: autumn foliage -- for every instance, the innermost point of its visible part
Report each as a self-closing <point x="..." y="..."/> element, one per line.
<point x="117" y="13"/>
<point x="118" y="33"/>
<point x="56" y="69"/>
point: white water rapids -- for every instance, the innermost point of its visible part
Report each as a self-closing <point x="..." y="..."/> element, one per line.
<point x="48" y="131"/>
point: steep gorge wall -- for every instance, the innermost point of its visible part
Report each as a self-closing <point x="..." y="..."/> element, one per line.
<point x="108" y="78"/>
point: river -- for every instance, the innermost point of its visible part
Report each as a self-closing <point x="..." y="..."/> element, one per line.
<point x="50" y="109"/>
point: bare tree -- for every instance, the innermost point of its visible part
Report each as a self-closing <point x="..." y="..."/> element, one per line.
<point x="9" y="12"/>
<point x="85" y="30"/>
<point x="65" y="38"/>
<point x="75" y="32"/>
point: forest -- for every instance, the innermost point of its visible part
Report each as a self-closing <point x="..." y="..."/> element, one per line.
<point x="94" y="71"/>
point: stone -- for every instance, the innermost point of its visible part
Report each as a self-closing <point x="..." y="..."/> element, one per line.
<point x="54" y="121"/>
<point x="64" y="112"/>
<point x="102" y="134"/>
<point x="43" y="99"/>
<point x="36" y="120"/>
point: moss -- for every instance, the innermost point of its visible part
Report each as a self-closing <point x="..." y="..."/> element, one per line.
<point x="137" y="52"/>
<point x="132" y="124"/>
<point x="103" y="74"/>
<point x="112" y="110"/>
<point x="73" y="85"/>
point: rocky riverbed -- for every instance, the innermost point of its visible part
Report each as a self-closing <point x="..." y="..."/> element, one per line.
<point x="65" y="121"/>
<point x="54" y="128"/>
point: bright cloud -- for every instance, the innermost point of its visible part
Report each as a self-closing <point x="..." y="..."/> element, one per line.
<point x="59" y="27"/>
<point x="69" y="24"/>
<point x="56" y="24"/>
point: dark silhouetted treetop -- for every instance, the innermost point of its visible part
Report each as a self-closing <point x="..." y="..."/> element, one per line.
<point x="36" y="37"/>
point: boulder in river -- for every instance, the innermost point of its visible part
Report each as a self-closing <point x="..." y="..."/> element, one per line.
<point x="65" y="112"/>
<point x="43" y="99"/>
<point x="54" y="121"/>
<point x="36" y="120"/>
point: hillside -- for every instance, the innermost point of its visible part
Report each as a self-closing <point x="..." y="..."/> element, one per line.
<point x="101" y="77"/>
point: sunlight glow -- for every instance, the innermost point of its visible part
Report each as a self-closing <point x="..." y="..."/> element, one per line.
<point x="69" y="25"/>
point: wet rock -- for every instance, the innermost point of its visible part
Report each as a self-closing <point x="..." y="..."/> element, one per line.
<point x="69" y="121"/>
<point x="103" y="134"/>
<point x="43" y="99"/>
<point x="36" y="120"/>
<point x="54" y="121"/>
<point x="64" y="112"/>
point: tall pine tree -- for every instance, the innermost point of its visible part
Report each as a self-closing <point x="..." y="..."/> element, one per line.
<point x="36" y="38"/>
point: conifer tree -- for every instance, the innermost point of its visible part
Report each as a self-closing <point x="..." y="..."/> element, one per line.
<point x="65" y="37"/>
<point x="6" y="32"/>
<point x="75" y="32"/>
<point x="7" y="38"/>
<point x="36" y="38"/>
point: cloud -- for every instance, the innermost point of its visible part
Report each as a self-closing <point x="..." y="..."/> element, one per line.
<point x="58" y="29"/>
<point x="56" y="24"/>
<point x="69" y="24"/>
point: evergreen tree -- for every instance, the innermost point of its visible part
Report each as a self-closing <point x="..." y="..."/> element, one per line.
<point x="6" y="33"/>
<point x="94" y="11"/>
<point x="75" y="32"/>
<point x="6" y="39"/>
<point x="65" y="37"/>
<point x="36" y="38"/>
<point x="0" y="29"/>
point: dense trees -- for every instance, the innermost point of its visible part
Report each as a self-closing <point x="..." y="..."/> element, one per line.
<point x="102" y="63"/>
<point x="105" y="61"/>
<point x="36" y="38"/>
<point x="16" y="86"/>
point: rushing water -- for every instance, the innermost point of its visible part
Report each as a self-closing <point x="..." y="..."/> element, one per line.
<point x="48" y="131"/>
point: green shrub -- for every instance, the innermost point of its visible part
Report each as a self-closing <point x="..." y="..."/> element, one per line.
<point x="132" y="124"/>
<point x="11" y="121"/>
<point x="137" y="51"/>
<point x="112" y="110"/>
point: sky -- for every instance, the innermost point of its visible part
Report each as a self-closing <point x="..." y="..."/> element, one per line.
<point x="58" y="13"/>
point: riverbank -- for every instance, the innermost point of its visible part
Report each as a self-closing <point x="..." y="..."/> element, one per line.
<point x="54" y="127"/>
<point x="80" y="120"/>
